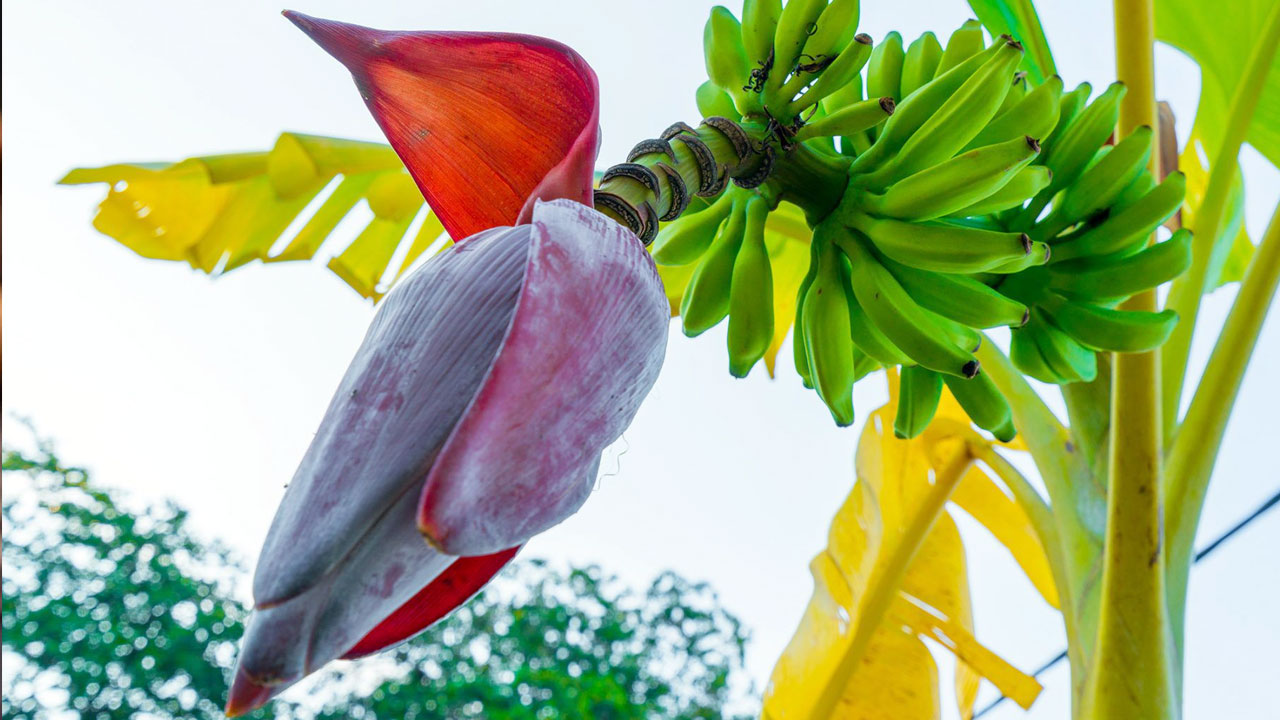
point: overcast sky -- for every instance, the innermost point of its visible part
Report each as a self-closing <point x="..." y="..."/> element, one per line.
<point x="172" y="385"/>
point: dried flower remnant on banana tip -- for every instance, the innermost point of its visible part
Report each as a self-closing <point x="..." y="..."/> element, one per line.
<point x="475" y="411"/>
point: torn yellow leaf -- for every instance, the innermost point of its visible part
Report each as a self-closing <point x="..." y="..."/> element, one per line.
<point x="220" y="212"/>
<point x="853" y="655"/>
<point x="980" y="496"/>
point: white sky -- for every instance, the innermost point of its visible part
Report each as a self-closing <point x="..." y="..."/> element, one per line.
<point x="169" y="384"/>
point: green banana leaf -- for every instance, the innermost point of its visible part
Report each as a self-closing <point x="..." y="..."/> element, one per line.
<point x="1221" y="42"/>
<point x="1220" y="39"/>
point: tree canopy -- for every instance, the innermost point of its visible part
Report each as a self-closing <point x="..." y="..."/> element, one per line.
<point x="117" y="610"/>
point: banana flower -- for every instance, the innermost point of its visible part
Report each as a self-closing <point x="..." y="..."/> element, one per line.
<point x="476" y="409"/>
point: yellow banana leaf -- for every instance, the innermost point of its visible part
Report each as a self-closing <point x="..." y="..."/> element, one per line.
<point x="893" y="574"/>
<point x="980" y="496"/>
<point x="220" y="212"/>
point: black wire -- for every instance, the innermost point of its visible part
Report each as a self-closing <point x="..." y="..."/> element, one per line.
<point x="1202" y="554"/>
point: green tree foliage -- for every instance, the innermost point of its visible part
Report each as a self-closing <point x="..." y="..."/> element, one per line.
<point x="113" y="612"/>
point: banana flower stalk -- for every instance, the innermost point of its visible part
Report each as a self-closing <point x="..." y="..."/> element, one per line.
<point x="475" y="412"/>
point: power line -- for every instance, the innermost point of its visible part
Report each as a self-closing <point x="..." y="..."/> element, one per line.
<point x="1202" y="554"/>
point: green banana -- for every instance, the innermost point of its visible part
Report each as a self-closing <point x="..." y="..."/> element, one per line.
<point x="849" y="120"/>
<point x="1069" y="360"/>
<point x="1017" y="93"/>
<point x="867" y="337"/>
<point x="916" y="110"/>
<point x="1069" y="108"/>
<point x="1115" y="278"/>
<point x="898" y="316"/>
<point x="751" y="294"/>
<point x="1101" y="328"/>
<point x="759" y="21"/>
<point x="1035" y="115"/>
<point x="963" y="44"/>
<point x="797" y="17"/>
<point x="826" y="327"/>
<point x="957" y="121"/>
<point x="835" y="28"/>
<point x="799" y="348"/>
<point x="725" y="58"/>
<point x="1128" y="227"/>
<point x="1101" y="184"/>
<point x="884" y="70"/>
<point x="825" y="144"/>
<point x="706" y="300"/>
<point x="919" y="391"/>
<point x="920" y="63"/>
<point x="863" y="365"/>
<point x="941" y="246"/>
<point x="1006" y="432"/>
<point x="844" y="96"/>
<point x="1025" y="355"/>
<point x="1022" y="187"/>
<point x="962" y="336"/>
<point x="983" y="403"/>
<point x="1138" y="189"/>
<point x="959" y="297"/>
<point x="956" y="183"/>
<point x="685" y="239"/>
<point x="840" y="73"/>
<point x="713" y="101"/>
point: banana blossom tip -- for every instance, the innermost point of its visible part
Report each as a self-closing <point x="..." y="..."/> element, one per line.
<point x="475" y="410"/>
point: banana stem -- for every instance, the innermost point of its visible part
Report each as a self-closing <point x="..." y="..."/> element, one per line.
<point x="883" y="586"/>
<point x="1187" y="290"/>
<point x="1089" y="415"/>
<point x="661" y="175"/>
<point x="1131" y="671"/>
<point x="1195" y="450"/>
<point x="1074" y="496"/>
<point x="1051" y="446"/>
<point x="1046" y="530"/>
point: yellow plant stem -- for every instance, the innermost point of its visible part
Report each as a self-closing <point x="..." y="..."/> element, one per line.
<point x="1209" y="218"/>
<point x="1131" y="671"/>
<point x="884" y="584"/>
<point x="1194" y="452"/>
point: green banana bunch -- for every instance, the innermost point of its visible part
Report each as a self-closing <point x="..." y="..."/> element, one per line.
<point x="976" y="199"/>
<point x="1102" y="206"/>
